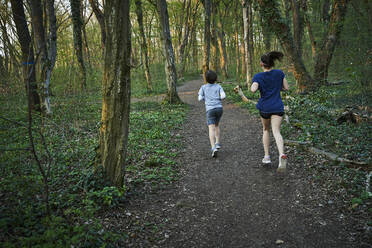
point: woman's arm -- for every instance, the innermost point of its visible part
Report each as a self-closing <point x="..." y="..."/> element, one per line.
<point x="239" y="90"/>
<point x="254" y="87"/>
<point x="285" y="84"/>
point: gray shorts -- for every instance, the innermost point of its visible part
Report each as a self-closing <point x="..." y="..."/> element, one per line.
<point x="214" y="116"/>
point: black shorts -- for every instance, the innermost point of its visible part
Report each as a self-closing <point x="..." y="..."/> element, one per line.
<point x="268" y="115"/>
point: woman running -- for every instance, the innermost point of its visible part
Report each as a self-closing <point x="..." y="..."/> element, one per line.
<point x="270" y="82"/>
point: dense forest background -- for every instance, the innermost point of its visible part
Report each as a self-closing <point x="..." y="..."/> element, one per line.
<point x="61" y="60"/>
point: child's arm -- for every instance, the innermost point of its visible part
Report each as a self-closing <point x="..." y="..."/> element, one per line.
<point x="222" y="94"/>
<point x="201" y="94"/>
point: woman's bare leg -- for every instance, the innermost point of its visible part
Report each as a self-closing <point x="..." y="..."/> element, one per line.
<point x="276" y="121"/>
<point x="266" y="136"/>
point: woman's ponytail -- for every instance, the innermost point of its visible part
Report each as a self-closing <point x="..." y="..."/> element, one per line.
<point x="268" y="59"/>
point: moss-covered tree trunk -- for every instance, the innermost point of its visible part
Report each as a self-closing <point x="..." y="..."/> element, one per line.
<point x="271" y="16"/>
<point x="77" y="24"/>
<point x="326" y="49"/>
<point x="28" y="63"/>
<point x="170" y="67"/>
<point x="116" y="91"/>
<point x="143" y="42"/>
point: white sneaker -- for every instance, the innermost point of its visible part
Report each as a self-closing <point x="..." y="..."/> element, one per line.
<point x="214" y="152"/>
<point x="218" y="146"/>
<point x="266" y="160"/>
<point x="282" y="163"/>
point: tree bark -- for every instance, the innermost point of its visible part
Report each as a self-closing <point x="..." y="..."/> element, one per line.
<point x="143" y="43"/>
<point x="100" y="18"/>
<point x="77" y="24"/>
<point x="116" y="91"/>
<point x="28" y="63"/>
<point x="170" y="67"/>
<point x="207" y="37"/>
<point x="271" y="15"/>
<point x="328" y="45"/>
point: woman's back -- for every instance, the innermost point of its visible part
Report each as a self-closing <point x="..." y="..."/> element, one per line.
<point x="270" y="84"/>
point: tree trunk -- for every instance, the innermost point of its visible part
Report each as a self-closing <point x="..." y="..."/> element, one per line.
<point x="266" y="35"/>
<point x="369" y="14"/>
<point x="28" y="63"/>
<point x="143" y="44"/>
<point x="52" y="20"/>
<point x="213" y="56"/>
<point x="207" y="37"/>
<point x="325" y="11"/>
<point x="311" y="35"/>
<point x="116" y="91"/>
<point x="78" y="40"/>
<point x="271" y="15"/>
<point x="100" y="18"/>
<point x="327" y="48"/>
<point x="248" y="40"/>
<point x="222" y="47"/>
<point x="170" y="67"/>
<point x="190" y="23"/>
<point x="237" y="54"/>
<point x="297" y="20"/>
<point x="45" y="63"/>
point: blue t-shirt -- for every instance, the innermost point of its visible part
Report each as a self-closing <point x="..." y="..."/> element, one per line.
<point x="270" y="84"/>
<point x="211" y="93"/>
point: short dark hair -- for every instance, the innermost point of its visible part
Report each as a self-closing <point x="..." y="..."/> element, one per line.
<point x="211" y="76"/>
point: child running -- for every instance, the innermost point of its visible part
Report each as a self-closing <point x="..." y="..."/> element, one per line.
<point x="270" y="82"/>
<point x="212" y="94"/>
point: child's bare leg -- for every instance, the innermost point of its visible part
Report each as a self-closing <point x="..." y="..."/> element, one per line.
<point x="217" y="133"/>
<point x="212" y="134"/>
<point x="276" y="121"/>
<point x="266" y="135"/>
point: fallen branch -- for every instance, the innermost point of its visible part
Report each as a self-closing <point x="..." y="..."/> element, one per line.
<point x="329" y="155"/>
<point x="368" y="183"/>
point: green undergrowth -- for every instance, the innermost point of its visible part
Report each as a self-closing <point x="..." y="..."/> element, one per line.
<point x="313" y="118"/>
<point x="78" y="195"/>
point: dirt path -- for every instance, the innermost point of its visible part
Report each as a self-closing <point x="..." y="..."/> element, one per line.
<point x="234" y="201"/>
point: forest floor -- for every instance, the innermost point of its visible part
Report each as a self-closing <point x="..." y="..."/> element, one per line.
<point x="236" y="201"/>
